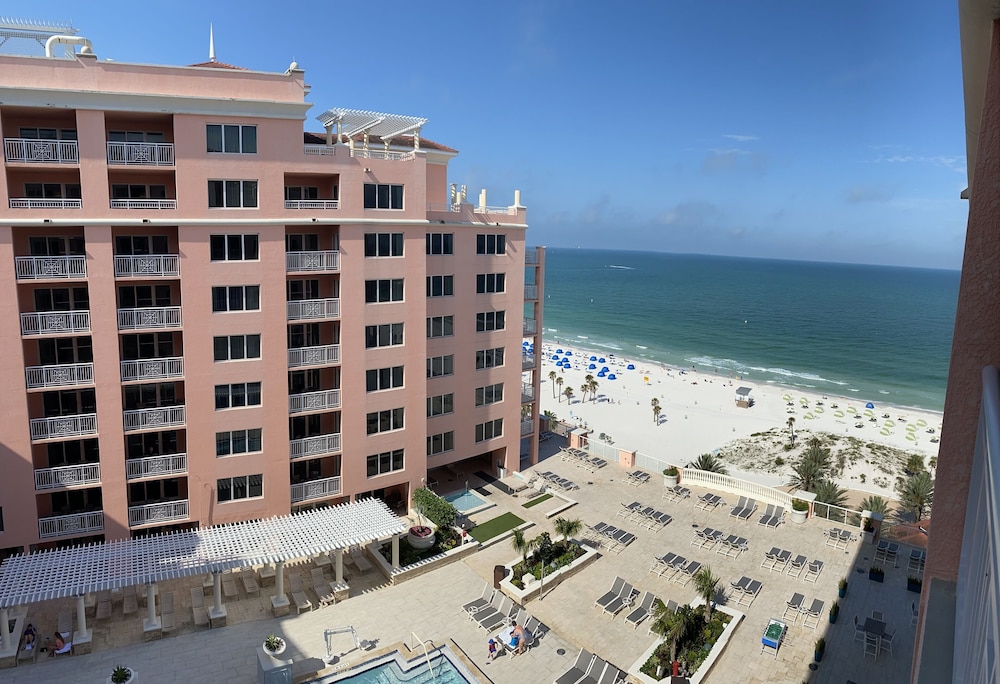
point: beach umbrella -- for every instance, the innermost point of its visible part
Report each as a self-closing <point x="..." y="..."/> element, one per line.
<point x="602" y="374"/>
<point x="605" y="369"/>
<point x="593" y="358"/>
<point x="601" y="360"/>
<point x="555" y="357"/>
<point x="631" y="366"/>
<point x="591" y="366"/>
<point x="559" y="351"/>
<point x="869" y="405"/>
<point x="612" y="377"/>
<point x="569" y="352"/>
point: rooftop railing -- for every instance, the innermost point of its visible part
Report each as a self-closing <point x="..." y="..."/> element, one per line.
<point x="360" y="153"/>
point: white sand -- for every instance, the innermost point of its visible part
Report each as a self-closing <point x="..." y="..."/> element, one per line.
<point x="699" y="415"/>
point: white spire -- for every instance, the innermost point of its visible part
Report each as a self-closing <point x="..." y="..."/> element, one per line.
<point x="211" y="44"/>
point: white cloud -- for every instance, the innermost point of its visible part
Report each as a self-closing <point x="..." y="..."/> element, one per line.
<point x="741" y="138"/>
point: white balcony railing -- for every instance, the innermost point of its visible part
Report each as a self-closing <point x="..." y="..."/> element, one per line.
<point x="147" y="266"/>
<point x="317" y="489"/>
<point x="527" y="393"/>
<point x="530" y="326"/>
<point x="312" y="204"/>
<point x="314" y="401"/>
<point x="313" y="309"/>
<point x="531" y="256"/>
<point x="61" y="375"/>
<point x="382" y="154"/>
<point x="153" y="418"/>
<point x="71" y="525"/>
<point x="527" y="426"/>
<point x="312" y="262"/>
<point x="32" y="151"/>
<point x="152" y="369"/>
<point x="321" y="150"/>
<point x="317" y="445"/>
<point x="140" y="154"/>
<point x="325" y="355"/>
<point x="143" y="204"/>
<point x="154" y="514"/>
<point x="67" y="476"/>
<point x="155" y="466"/>
<point x="149" y="317"/>
<point x="509" y="211"/>
<point x="42" y="203"/>
<point x="63" y="426"/>
<point x="51" y="267"/>
<point x="530" y="292"/>
<point x="55" y="322"/>
<point x="527" y="362"/>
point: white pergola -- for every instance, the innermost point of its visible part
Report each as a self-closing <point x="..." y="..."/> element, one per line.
<point x="79" y="570"/>
<point x="353" y="122"/>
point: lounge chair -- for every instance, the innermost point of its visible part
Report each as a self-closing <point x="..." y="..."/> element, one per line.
<point x="611" y="675"/>
<point x="359" y="560"/>
<point x="612" y="594"/>
<point x="622" y="538"/>
<point x="681" y="492"/>
<point x="777" y="518"/>
<point x="813" y="570"/>
<point x="750" y="592"/>
<point x="198" y="607"/>
<point x="298" y="592"/>
<point x="643" y="610"/>
<point x="737" y="510"/>
<point x="748" y="510"/>
<point x="684" y="575"/>
<point x="533" y="630"/>
<point x="130" y="601"/>
<point x="796" y="566"/>
<point x="781" y="560"/>
<point x="660" y="520"/>
<point x="322" y="588"/>
<point x="496" y="614"/>
<point x="249" y="580"/>
<point x="661" y="563"/>
<point x="482" y="602"/>
<point x="770" y="558"/>
<point x="624" y="598"/>
<point x="229" y="586"/>
<point x="584" y="661"/>
<point x="813" y="611"/>
<point x="103" y="605"/>
<point x="794" y="605"/>
<point x="168" y="621"/>
<point x="627" y="509"/>
<point x="766" y="517"/>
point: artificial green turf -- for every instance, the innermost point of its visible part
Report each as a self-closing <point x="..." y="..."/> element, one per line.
<point x="497" y="525"/>
<point x="537" y="500"/>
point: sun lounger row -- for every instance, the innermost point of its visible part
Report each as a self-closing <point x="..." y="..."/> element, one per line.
<point x="647" y="516"/>
<point x="743" y="509"/>
<point x="620" y="595"/>
<point x="744" y="590"/>
<point x="776" y="560"/>
<point x="773" y="516"/>
<point x="636" y="478"/>
<point x="708" y="502"/>
<point x="604" y="534"/>
<point x="676" y="493"/>
<point x="732" y="546"/>
<point x="591" y="669"/>
<point x="706" y="537"/>
<point x="493" y="609"/>
<point x="838" y="538"/>
<point x="560" y="482"/>
<point x="677" y="569"/>
<point x="583" y="459"/>
<point x="796" y="606"/>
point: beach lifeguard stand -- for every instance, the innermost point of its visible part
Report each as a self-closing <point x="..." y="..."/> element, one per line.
<point x="743" y="399"/>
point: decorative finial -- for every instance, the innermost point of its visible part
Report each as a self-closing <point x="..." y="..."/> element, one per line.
<point x="211" y="44"/>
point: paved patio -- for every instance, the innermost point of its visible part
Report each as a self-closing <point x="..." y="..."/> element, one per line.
<point x="429" y="606"/>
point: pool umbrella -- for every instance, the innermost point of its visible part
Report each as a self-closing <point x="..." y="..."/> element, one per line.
<point x="601" y="374"/>
<point x="569" y="352"/>
<point x="869" y="405"/>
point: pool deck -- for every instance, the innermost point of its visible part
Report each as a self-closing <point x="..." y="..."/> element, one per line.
<point x="428" y="607"/>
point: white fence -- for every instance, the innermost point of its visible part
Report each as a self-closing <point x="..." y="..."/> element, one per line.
<point x="317" y="445"/>
<point x="55" y="322"/>
<point x="155" y="466"/>
<point x="727" y="483"/>
<point x="144" y="204"/>
<point x="71" y="525"/>
<point x="382" y="154"/>
<point x="140" y="154"/>
<point x="147" y="265"/>
<point x="317" y="489"/>
<point x="314" y="401"/>
<point x="313" y="309"/>
<point x="312" y="204"/>
<point x="67" y="476"/>
<point x="310" y="262"/>
<point x="44" y="203"/>
<point x="157" y="513"/>
<point x="34" y="151"/>
<point x="63" y="426"/>
<point x="149" y="317"/>
<point x="153" y="418"/>
<point x="50" y="267"/>
<point x="299" y="357"/>
<point x="62" y="375"/>
<point x="152" y="369"/>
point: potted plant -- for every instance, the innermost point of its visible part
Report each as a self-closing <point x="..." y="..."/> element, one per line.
<point x="800" y="510"/>
<point x="876" y="574"/>
<point x="670" y="476"/>
<point x="834" y="612"/>
<point x="820" y="648"/>
<point x="122" y="674"/>
<point x="868" y="530"/>
<point x="842" y="587"/>
<point x="420" y="537"/>
<point x="914" y="584"/>
<point x="274" y="645"/>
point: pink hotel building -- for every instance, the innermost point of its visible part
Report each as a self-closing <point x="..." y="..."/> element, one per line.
<point x="209" y="316"/>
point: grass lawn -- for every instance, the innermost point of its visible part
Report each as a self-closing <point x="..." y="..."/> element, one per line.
<point x="537" y="500"/>
<point x="492" y="528"/>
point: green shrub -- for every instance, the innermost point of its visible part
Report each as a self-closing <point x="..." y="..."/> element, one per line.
<point x="671" y="471"/>
<point x="779" y="461"/>
<point x="442" y="513"/>
<point x="799" y="505"/>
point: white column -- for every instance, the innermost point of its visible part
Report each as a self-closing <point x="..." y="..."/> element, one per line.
<point x="339" y="565"/>
<point x="217" y="591"/>
<point x="395" y="552"/>
<point x="4" y="634"/>
<point x="329" y="134"/>
<point x="151" y="602"/>
<point x="81" y="614"/>
<point x="279" y="578"/>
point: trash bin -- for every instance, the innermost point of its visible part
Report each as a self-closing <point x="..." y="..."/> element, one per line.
<point x="499" y="573"/>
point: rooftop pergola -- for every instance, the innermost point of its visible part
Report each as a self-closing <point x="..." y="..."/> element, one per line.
<point x="353" y="122"/>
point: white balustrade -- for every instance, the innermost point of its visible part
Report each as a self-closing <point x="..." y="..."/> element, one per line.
<point x="63" y="426"/>
<point x="312" y="204"/>
<point x="155" y="466"/>
<point x="149" y="317"/>
<point x="55" y="322"/>
<point x="153" y="418"/>
<point x="153" y="514"/>
<point x="321" y="150"/>
<point x="313" y="309"/>
<point x="312" y="262"/>
<point x="509" y="211"/>
<point x="360" y="153"/>
<point x="51" y="267"/>
<point x="324" y="355"/>
<point x="60" y="375"/>
<point x="143" y="204"/>
<point x="316" y="489"/>
<point x="727" y="483"/>
<point x="530" y="326"/>
<point x="147" y="265"/>
<point x="530" y="292"/>
<point x="152" y="369"/>
<point x="443" y="207"/>
<point x="317" y="445"/>
<point x="67" y="476"/>
<point x="71" y="525"/>
<point x="34" y="151"/>
<point x="43" y="203"/>
<point x="140" y="154"/>
<point x="314" y="401"/>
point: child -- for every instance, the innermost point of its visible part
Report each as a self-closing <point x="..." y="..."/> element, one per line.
<point x="493" y="650"/>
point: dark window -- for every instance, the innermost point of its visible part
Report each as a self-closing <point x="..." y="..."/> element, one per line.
<point x="383" y="196"/>
<point x="383" y="244"/>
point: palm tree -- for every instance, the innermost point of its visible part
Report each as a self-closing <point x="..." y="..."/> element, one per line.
<point x="567" y="528"/>
<point x="552" y="379"/>
<point x="672" y="625"/>
<point x="791" y="431"/>
<point x="812" y="467"/>
<point x="559" y="384"/>
<point x="875" y="504"/>
<point x="522" y="546"/>
<point x="656" y="410"/>
<point x="569" y="395"/>
<point x="710" y="463"/>
<point x="584" y="388"/>
<point x="916" y="494"/>
<point x="827" y="492"/>
<point x="914" y="464"/>
<point x="593" y="388"/>
<point x="706" y="584"/>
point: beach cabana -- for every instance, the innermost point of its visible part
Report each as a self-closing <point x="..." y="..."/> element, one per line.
<point x="631" y="366"/>
<point x="591" y="367"/>
<point x="602" y="360"/>
<point x="612" y="376"/>
<point x="743" y="397"/>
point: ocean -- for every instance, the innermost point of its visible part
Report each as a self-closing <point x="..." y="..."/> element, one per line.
<point x="873" y="333"/>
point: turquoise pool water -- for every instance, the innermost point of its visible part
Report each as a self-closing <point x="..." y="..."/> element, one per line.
<point x="392" y="669"/>
<point x="464" y="500"/>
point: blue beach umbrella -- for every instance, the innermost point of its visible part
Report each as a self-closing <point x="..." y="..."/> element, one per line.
<point x="602" y="360"/>
<point x="605" y="369"/>
<point x="559" y="351"/>
<point x="612" y="377"/>
<point x="593" y="358"/>
<point x="555" y="358"/>
<point x="869" y="405"/>
<point x="601" y="374"/>
<point x="569" y="352"/>
<point x="591" y="367"/>
<point x="631" y="366"/>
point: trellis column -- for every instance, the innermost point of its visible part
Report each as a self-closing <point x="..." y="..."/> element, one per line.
<point x="339" y="566"/>
<point x="395" y="552"/>
<point x="217" y="613"/>
<point x="152" y="625"/>
<point x="279" y="602"/>
<point x="82" y="637"/>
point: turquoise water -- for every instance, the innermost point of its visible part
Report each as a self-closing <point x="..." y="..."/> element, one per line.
<point x="444" y="672"/>
<point x="873" y="332"/>
<point x="464" y="500"/>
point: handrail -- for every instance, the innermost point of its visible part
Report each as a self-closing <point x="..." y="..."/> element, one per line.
<point x="427" y="657"/>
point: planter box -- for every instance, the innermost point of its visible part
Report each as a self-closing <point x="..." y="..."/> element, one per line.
<point x="670" y="481"/>
<point x="426" y="565"/>
<point x="876" y="577"/>
<point x="522" y="596"/>
<point x="914" y="586"/>
<point x="817" y="656"/>
<point x="798" y="516"/>
<point x="868" y="536"/>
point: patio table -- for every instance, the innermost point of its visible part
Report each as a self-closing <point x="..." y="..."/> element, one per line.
<point x="876" y="627"/>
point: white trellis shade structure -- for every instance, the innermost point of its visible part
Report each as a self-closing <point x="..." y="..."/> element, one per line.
<point x="351" y="122"/>
<point x="77" y="570"/>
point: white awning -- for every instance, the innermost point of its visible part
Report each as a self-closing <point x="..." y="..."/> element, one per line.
<point x="77" y="570"/>
<point x="356" y="121"/>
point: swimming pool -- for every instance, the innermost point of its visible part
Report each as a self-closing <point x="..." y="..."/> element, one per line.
<point x="464" y="500"/>
<point x="392" y="669"/>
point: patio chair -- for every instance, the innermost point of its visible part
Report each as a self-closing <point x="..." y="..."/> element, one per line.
<point x="832" y="537"/>
<point x="703" y="501"/>
<point x="781" y="560"/>
<point x="610" y="595"/>
<point x="584" y="661"/>
<point x="741" y="583"/>
<point x="298" y="592"/>
<point x="103" y="604"/>
<point x="845" y="538"/>
<point x="168" y="621"/>
<point x="750" y="592"/>
<point x="481" y="602"/>
<point x="877" y="615"/>
<point x="627" y="509"/>
<point x="684" y="575"/>
<point x="229" y="586"/>
<point x="794" y="605"/>
<point x="859" y="630"/>
<point x="661" y="520"/>
<point x="198" y="608"/>
<point x="748" y="510"/>
<point x="914" y="565"/>
<point x="736" y="547"/>
<point x="249" y="580"/>
<point x="777" y="517"/>
<point x="814" y="611"/>
<point x="681" y="492"/>
<point x="796" y="566"/>
<point x="738" y="508"/>
<point x="597" y="462"/>
<point x="770" y="558"/>
<point x="495" y="615"/>
<point x="813" y="571"/>
<point x="871" y="646"/>
<point x="724" y="544"/>
<point x="624" y="598"/>
<point x="533" y="630"/>
<point x="322" y="588"/>
<point x="623" y="538"/>
<point x="661" y="563"/>
<point x="885" y="643"/>
<point x="766" y="517"/>
<point x="642" y="611"/>
<point x="360" y="562"/>
<point x="641" y="515"/>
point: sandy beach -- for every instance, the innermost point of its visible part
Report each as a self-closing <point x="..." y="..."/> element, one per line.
<point x="699" y="415"/>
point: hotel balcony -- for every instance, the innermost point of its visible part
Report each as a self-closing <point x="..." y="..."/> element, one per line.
<point x="530" y="326"/>
<point x="61" y="427"/>
<point x="55" y="323"/>
<point x="527" y="427"/>
<point x="158" y="513"/>
<point x="527" y="393"/>
<point x="314" y="401"/>
<point x="152" y="204"/>
<point x="61" y="375"/>
<point x="155" y="466"/>
<point x="152" y="369"/>
<point x="147" y="266"/>
<point x="149" y="318"/>
<point x="34" y="151"/>
<point x="361" y="153"/>
<point x="71" y="525"/>
<point x="67" y="476"/>
<point x="527" y="362"/>
<point x="530" y="293"/>
<point x="51" y="267"/>
<point x="317" y="445"/>
<point x="140" y="154"/>
<point x="154" y="418"/>
<point x="312" y="204"/>
<point x="313" y="309"/>
<point x="531" y="256"/>
<point x="321" y="150"/>
<point x="325" y="261"/>
<point x="43" y="203"/>
<point x="316" y="489"/>
<point x="323" y="355"/>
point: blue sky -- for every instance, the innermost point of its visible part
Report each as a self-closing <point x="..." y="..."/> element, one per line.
<point x="785" y="129"/>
